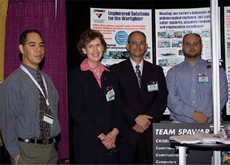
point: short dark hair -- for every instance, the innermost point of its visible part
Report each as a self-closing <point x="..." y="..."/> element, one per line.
<point x="86" y="37"/>
<point x="193" y="34"/>
<point x="24" y="35"/>
<point x="136" y="32"/>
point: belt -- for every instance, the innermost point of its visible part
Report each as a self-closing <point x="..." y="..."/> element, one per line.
<point x="36" y="141"/>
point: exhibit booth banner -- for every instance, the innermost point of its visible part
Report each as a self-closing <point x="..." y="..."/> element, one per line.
<point x="172" y="25"/>
<point x="116" y="25"/>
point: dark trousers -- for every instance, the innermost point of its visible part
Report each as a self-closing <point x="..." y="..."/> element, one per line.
<point x="137" y="152"/>
<point x="143" y="153"/>
<point x="4" y="156"/>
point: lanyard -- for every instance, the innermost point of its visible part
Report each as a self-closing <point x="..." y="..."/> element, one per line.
<point x="36" y="83"/>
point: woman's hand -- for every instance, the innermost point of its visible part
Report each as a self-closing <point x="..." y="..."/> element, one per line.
<point x="101" y="136"/>
<point x="110" y="139"/>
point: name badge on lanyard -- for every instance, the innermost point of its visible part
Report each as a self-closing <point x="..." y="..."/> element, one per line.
<point x="110" y="94"/>
<point x="152" y="86"/>
<point x="202" y="78"/>
<point x="47" y="117"/>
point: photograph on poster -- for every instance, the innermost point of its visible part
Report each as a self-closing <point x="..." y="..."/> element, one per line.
<point x="227" y="35"/>
<point x="164" y="62"/>
<point x="170" y="34"/>
<point x="177" y="43"/>
<point x="205" y="33"/>
<point x="170" y="62"/>
<point x="167" y="52"/>
<point x="147" y="55"/>
<point x="161" y="34"/>
<point x="178" y="34"/>
<point x="180" y="52"/>
<point x="186" y="32"/>
<point x="121" y="55"/>
<point x="116" y="55"/>
<point x="164" y="44"/>
<point x="228" y="50"/>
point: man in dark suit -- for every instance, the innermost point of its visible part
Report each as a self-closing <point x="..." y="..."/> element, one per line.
<point x="144" y="91"/>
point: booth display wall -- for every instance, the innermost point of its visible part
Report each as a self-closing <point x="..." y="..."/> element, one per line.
<point x="78" y="20"/>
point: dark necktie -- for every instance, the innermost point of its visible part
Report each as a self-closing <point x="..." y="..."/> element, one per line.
<point x="44" y="126"/>
<point x="138" y="74"/>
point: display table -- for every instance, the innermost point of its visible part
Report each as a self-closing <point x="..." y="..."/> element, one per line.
<point x="198" y="146"/>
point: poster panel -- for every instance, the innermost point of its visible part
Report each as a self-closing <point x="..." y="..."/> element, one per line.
<point x="227" y="51"/>
<point x="163" y="154"/>
<point x="116" y="25"/>
<point x="172" y="25"/>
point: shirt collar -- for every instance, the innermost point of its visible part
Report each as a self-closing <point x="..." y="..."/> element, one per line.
<point x="197" y="62"/>
<point x="32" y="71"/>
<point x="85" y="66"/>
<point x="134" y="65"/>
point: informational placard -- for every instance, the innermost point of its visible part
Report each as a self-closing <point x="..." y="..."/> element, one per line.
<point x="163" y="154"/>
<point x="172" y="25"/>
<point x="227" y="51"/>
<point x="116" y="25"/>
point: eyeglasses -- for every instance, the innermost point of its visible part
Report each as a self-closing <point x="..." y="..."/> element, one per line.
<point x="137" y="43"/>
<point x="111" y="151"/>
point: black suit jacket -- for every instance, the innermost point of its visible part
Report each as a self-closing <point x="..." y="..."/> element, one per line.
<point x="140" y="101"/>
<point x="92" y="114"/>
